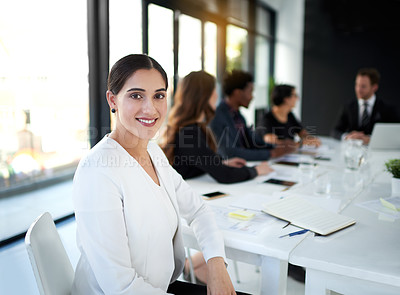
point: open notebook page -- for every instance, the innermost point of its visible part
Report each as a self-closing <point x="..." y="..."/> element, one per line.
<point x="303" y="214"/>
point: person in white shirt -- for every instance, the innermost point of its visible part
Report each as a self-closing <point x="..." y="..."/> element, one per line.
<point x="357" y="118"/>
<point x="129" y="201"/>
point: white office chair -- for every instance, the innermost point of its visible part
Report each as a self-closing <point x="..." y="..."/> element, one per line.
<point x="52" y="268"/>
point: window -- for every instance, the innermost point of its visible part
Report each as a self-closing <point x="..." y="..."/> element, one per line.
<point x="210" y="48"/>
<point x="263" y="21"/>
<point x="189" y="45"/>
<point x="263" y="52"/>
<point x="161" y="40"/>
<point x="236" y="48"/>
<point x="125" y="20"/>
<point x="261" y="77"/>
<point x="44" y="113"/>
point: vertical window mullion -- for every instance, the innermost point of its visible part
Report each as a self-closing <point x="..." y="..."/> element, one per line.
<point x="221" y="55"/>
<point x="98" y="43"/>
<point x="202" y="44"/>
<point x="176" y="48"/>
<point x="145" y="27"/>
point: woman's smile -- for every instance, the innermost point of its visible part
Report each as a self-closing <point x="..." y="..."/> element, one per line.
<point x="147" y="122"/>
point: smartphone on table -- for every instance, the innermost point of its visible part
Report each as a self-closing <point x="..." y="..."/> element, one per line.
<point x="214" y="195"/>
<point x="280" y="182"/>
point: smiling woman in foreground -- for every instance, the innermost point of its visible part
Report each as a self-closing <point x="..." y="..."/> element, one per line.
<point x="129" y="201"/>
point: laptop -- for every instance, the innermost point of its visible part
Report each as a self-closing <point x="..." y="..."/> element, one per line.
<point x="385" y="136"/>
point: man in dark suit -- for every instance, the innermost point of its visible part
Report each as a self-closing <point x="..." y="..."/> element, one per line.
<point x="358" y="117"/>
<point x="234" y="137"/>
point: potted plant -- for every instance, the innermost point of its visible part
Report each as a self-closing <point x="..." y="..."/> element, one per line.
<point x="393" y="166"/>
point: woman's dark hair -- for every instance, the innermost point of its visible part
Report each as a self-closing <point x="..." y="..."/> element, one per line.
<point x="280" y="92"/>
<point x="191" y="101"/>
<point x="126" y="66"/>
<point x="237" y="79"/>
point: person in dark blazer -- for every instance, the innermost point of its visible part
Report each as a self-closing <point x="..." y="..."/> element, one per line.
<point x="280" y="123"/>
<point x="234" y="137"/>
<point x="358" y="117"/>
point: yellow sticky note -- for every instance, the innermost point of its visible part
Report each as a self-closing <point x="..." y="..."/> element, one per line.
<point x="389" y="205"/>
<point x="241" y="214"/>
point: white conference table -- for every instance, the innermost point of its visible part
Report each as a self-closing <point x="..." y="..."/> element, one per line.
<point x="265" y="248"/>
<point x="362" y="259"/>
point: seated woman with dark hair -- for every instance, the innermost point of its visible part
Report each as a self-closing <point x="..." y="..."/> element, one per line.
<point x="190" y="145"/>
<point x="280" y="123"/>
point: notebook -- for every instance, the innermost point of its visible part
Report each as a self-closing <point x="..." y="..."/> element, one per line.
<point x="304" y="214"/>
<point x="385" y="136"/>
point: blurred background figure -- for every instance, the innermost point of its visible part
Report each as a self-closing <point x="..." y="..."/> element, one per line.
<point x="235" y="138"/>
<point x="190" y="144"/>
<point x="358" y="117"/>
<point x="280" y="123"/>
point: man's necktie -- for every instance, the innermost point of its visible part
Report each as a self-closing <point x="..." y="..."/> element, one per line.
<point x="365" y="116"/>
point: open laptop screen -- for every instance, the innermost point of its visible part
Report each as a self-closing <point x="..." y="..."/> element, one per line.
<point x="385" y="136"/>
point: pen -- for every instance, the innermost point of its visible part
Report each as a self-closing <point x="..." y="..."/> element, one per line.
<point x="300" y="232"/>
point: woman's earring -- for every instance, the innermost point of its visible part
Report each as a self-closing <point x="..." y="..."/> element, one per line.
<point x="113" y="110"/>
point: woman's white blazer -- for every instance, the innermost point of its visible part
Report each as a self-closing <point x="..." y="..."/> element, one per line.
<point x="117" y="227"/>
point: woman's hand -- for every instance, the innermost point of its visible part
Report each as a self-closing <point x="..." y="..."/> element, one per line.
<point x="271" y="138"/>
<point x="285" y="146"/>
<point x="235" y="162"/>
<point x="218" y="280"/>
<point x="358" y="135"/>
<point x="263" y="169"/>
<point x="312" y="140"/>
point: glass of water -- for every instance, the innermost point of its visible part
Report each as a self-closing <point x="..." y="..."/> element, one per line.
<point x="306" y="168"/>
<point x="323" y="184"/>
<point x="354" y="154"/>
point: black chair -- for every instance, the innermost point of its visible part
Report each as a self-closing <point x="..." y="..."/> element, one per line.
<point x="185" y="288"/>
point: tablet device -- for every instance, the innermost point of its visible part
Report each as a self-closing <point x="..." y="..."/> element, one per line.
<point x="385" y="136"/>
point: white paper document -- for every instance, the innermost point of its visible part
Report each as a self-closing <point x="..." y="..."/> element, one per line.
<point x="303" y="214"/>
<point x="253" y="226"/>
<point x="378" y="207"/>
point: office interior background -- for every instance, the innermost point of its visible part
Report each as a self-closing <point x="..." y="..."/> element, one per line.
<point x="55" y="57"/>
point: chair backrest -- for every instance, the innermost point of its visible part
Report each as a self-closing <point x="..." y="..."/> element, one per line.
<point x="51" y="265"/>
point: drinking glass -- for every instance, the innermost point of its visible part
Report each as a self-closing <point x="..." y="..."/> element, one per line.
<point x="354" y="154"/>
<point x="323" y="184"/>
<point x="306" y="168"/>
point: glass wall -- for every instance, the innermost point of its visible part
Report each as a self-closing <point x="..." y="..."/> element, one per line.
<point x="189" y="45"/>
<point x="161" y="46"/>
<point x="210" y="48"/>
<point x="161" y="40"/>
<point x="263" y="48"/>
<point x="43" y="89"/>
<point x="261" y="77"/>
<point x="236" y="48"/>
<point x="125" y="20"/>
